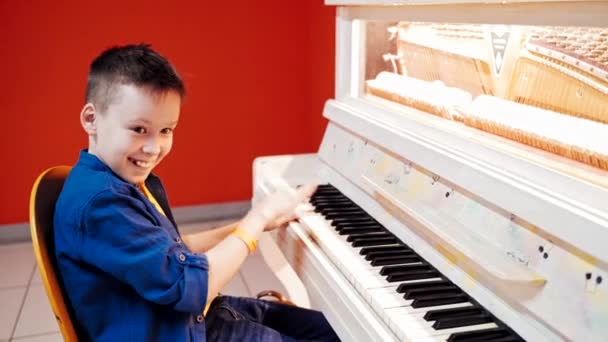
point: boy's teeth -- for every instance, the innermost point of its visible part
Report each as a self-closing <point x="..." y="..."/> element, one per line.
<point x="141" y="163"/>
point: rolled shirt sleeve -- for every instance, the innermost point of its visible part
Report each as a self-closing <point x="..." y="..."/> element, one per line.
<point x="121" y="238"/>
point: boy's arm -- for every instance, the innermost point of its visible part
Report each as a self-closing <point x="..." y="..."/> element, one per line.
<point x="203" y="241"/>
<point x="226" y="257"/>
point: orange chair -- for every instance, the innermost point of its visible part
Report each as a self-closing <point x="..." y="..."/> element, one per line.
<point x="44" y="194"/>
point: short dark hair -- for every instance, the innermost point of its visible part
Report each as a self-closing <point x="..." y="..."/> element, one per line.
<point x="135" y="64"/>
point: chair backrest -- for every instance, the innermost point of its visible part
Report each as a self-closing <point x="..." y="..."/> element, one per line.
<point x="44" y="194"/>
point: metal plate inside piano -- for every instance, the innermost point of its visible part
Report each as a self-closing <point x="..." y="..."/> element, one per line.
<point x="418" y="300"/>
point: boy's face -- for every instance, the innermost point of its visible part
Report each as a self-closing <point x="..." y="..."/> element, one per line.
<point x="135" y="132"/>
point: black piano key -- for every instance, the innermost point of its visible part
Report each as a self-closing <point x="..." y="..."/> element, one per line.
<point x="404" y="269"/>
<point x="394" y="260"/>
<point x="480" y="335"/>
<point x="335" y="215"/>
<point x="341" y="225"/>
<point x="374" y="241"/>
<point x="337" y="221"/>
<point x="328" y="195"/>
<point x="433" y="293"/>
<point x="344" y="210"/>
<point x="327" y="190"/>
<point x="419" y="293"/>
<point x="506" y="339"/>
<point x="366" y="222"/>
<point x="350" y="229"/>
<point x="356" y="237"/>
<point x="330" y="199"/>
<point x="449" y="323"/>
<point x="398" y="247"/>
<point x="397" y="277"/>
<point x="434" y="315"/>
<point x="373" y="255"/>
<point x="436" y="301"/>
<point x="360" y="230"/>
<point x="326" y="186"/>
<point x="321" y="206"/>
<point x="404" y="288"/>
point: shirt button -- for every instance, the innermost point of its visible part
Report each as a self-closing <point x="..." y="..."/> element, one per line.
<point x="182" y="258"/>
<point x="199" y="318"/>
<point x="178" y="240"/>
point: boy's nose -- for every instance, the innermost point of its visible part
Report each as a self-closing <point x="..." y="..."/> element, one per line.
<point x="151" y="147"/>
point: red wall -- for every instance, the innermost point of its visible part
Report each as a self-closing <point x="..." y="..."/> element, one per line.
<point x="257" y="74"/>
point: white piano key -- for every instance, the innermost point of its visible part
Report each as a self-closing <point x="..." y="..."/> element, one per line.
<point x="385" y="298"/>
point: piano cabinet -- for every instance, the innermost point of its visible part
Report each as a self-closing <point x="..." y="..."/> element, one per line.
<point x="464" y="174"/>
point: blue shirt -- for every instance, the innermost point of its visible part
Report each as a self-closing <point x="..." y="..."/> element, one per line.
<point x="126" y="273"/>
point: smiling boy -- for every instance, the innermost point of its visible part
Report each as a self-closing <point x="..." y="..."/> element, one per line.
<point x="127" y="272"/>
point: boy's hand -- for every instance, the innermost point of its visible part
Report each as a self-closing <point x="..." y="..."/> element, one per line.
<point x="279" y="208"/>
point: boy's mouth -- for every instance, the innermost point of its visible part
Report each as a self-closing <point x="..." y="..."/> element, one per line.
<point x="140" y="163"/>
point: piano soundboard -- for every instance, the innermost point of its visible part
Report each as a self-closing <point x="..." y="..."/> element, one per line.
<point x="430" y="227"/>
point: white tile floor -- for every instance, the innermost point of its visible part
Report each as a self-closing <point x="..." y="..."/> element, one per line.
<point x="26" y="315"/>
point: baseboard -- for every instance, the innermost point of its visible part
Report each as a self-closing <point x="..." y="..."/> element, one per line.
<point x="20" y="232"/>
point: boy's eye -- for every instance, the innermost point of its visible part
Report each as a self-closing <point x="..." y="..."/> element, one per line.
<point x="139" y="130"/>
<point x="167" y="130"/>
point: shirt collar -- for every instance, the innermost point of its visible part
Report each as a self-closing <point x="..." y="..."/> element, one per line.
<point x="92" y="161"/>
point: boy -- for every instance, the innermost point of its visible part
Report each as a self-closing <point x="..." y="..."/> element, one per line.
<point x="126" y="271"/>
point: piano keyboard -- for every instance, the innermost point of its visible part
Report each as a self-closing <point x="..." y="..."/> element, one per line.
<point x="412" y="297"/>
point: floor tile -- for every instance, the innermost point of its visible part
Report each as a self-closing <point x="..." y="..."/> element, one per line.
<point x="36" y="279"/>
<point x="10" y="302"/>
<point x="36" y="315"/>
<point x="54" y="337"/>
<point x="18" y="265"/>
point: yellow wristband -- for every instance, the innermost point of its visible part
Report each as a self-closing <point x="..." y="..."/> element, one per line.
<point x="246" y="237"/>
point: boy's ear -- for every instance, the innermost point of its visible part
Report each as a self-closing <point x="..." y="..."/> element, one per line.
<point x="88" y="114"/>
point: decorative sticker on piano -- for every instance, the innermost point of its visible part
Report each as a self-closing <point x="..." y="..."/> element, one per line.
<point x="499" y="38"/>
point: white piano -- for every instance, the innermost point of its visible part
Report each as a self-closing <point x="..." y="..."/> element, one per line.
<point x="465" y="175"/>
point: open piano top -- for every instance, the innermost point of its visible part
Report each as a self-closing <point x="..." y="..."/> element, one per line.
<point x="463" y="199"/>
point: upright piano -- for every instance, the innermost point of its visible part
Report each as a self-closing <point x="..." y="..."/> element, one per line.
<point x="463" y="172"/>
